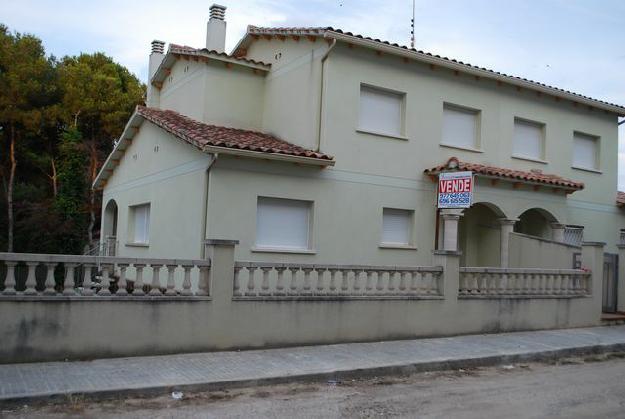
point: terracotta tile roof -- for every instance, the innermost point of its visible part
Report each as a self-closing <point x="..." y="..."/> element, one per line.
<point x="204" y="135"/>
<point x="322" y="31"/>
<point x="187" y="50"/>
<point x="533" y="176"/>
<point x="258" y="30"/>
<point x="620" y="199"/>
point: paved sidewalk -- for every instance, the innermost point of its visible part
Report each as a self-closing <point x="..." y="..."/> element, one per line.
<point x="157" y="374"/>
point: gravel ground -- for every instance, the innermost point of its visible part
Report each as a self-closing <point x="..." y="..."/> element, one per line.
<point x="572" y="388"/>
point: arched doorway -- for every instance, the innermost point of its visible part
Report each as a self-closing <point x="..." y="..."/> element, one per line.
<point x="539" y="223"/>
<point x="109" y="228"/>
<point x="479" y="235"/>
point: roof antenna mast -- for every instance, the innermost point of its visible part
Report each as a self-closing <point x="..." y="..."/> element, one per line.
<point x="412" y="26"/>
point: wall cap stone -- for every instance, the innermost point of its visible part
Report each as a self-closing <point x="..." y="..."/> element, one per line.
<point x="447" y="252"/>
<point x="595" y="244"/>
<point x="221" y="242"/>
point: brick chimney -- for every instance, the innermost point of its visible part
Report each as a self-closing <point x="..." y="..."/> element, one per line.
<point x="156" y="57"/>
<point x="216" y="29"/>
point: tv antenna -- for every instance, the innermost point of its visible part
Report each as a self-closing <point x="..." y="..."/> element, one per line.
<point x="412" y="26"/>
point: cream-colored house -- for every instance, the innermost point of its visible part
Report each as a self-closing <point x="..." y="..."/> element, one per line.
<point x="315" y="145"/>
<point x="320" y="152"/>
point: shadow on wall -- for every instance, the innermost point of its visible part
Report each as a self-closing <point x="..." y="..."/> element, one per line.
<point x="536" y="222"/>
<point x="479" y="235"/>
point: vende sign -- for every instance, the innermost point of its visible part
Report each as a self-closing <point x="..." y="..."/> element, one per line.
<point x="455" y="189"/>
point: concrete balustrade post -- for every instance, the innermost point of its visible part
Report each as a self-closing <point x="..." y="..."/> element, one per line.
<point x="171" y="284"/>
<point x="68" y="283"/>
<point x="221" y="255"/>
<point x="592" y="259"/>
<point x="451" y="218"/>
<point x="557" y="232"/>
<point x="450" y="283"/>
<point x="122" y="283"/>
<point x="9" y="283"/>
<point x="620" y="297"/>
<point x="506" y="227"/>
<point x="50" y="282"/>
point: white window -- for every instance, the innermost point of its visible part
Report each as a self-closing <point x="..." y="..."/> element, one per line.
<point x="396" y="226"/>
<point x="528" y="139"/>
<point x="460" y="127"/>
<point x="585" y="151"/>
<point x="140" y="223"/>
<point x="381" y="111"/>
<point x="283" y="223"/>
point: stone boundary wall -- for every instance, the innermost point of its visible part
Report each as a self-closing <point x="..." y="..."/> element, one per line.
<point x="45" y="328"/>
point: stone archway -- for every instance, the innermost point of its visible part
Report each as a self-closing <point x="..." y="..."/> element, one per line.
<point x="539" y="222"/>
<point x="479" y="235"/>
<point x="109" y="228"/>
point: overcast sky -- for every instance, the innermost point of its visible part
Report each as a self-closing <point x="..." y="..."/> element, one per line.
<point x="578" y="45"/>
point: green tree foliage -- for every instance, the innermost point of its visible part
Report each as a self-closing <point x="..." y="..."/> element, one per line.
<point x="58" y="120"/>
<point x="27" y="91"/>
<point x="70" y="201"/>
<point x="99" y="95"/>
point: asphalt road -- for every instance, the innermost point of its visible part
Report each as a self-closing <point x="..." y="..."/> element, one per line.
<point x="593" y="387"/>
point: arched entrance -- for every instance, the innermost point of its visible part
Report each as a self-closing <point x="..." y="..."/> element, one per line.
<point x="109" y="228"/>
<point x="479" y="235"/>
<point x="539" y="223"/>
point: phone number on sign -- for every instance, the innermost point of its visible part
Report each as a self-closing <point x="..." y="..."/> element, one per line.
<point x="460" y="198"/>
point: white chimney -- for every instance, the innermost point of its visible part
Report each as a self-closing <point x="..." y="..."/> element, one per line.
<point x="156" y="57"/>
<point x="216" y="29"/>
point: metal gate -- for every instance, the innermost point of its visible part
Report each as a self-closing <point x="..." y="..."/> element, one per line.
<point x="610" y="282"/>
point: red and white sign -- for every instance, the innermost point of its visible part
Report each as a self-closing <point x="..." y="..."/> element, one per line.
<point x="455" y="190"/>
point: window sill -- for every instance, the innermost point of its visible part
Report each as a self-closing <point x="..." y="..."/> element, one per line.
<point x="381" y="134"/>
<point x="532" y="159"/>
<point x="587" y="169"/>
<point x="132" y="244"/>
<point x="397" y="246"/>
<point x="458" y="147"/>
<point x="278" y="250"/>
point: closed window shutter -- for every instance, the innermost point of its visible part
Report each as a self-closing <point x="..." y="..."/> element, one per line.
<point x="528" y="140"/>
<point x="396" y="226"/>
<point x="380" y="111"/>
<point x="282" y="223"/>
<point x="459" y="127"/>
<point x="584" y="151"/>
<point x="142" y="223"/>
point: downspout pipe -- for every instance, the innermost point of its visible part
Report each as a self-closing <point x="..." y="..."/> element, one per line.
<point x="204" y="224"/>
<point x="320" y="119"/>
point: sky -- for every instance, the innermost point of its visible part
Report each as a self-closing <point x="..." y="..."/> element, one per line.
<point x="577" y="45"/>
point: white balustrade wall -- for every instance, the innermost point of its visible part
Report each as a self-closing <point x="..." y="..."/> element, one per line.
<point x="48" y="303"/>
<point x="289" y="280"/>
<point x="25" y="274"/>
<point x="485" y="282"/>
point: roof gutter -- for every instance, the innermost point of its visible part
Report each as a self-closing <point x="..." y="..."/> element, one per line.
<point x="269" y="156"/>
<point x="402" y="52"/>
